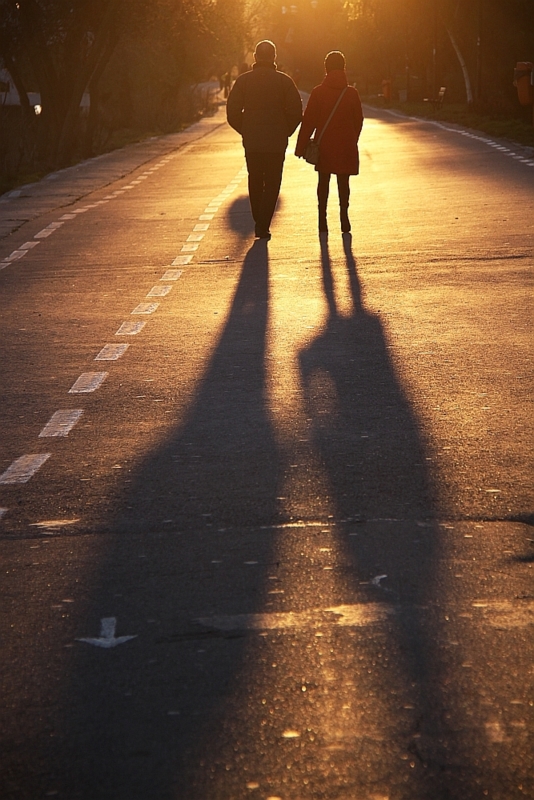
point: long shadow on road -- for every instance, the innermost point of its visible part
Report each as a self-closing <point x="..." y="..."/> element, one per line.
<point x="191" y="711"/>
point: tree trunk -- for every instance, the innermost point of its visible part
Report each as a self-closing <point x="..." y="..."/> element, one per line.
<point x="102" y="49"/>
<point x="467" y="81"/>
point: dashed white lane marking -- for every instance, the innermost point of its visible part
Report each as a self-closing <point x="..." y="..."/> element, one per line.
<point x="48" y="231"/>
<point x="357" y="615"/>
<point x="206" y="216"/>
<point x="181" y="261"/>
<point x="24" y="468"/>
<point x="28" y="245"/>
<point x="159" y="291"/>
<point x="118" y="192"/>
<point x="145" y="308"/>
<point x="15" y="255"/>
<point x="172" y="275"/>
<point x="68" y="216"/>
<point x="189" y="248"/>
<point x="112" y="352"/>
<point x="80" y="210"/>
<point x="88" y="382"/>
<point x="131" y="327"/>
<point x="195" y="237"/>
<point x="61" y="423"/>
<point x="204" y="226"/>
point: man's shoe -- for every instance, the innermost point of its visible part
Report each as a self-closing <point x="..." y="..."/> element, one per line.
<point x="345" y="222"/>
<point x="263" y="234"/>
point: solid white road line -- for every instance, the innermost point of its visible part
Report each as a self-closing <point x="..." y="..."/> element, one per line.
<point x="61" y="423"/>
<point x="131" y="328"/>
<point x="24" y="468"/>
<point x="88" y="382"/>
<point x="145" y="308"/>
<point x="112" y="352"/>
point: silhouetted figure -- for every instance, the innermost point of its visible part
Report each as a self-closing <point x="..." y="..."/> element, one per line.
<point x="338" y="151"/>
<point x="264" y="106"/>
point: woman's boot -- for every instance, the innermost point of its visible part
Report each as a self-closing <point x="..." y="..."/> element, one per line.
<point x="344" y="194"/>
<point x="322" y="198"/>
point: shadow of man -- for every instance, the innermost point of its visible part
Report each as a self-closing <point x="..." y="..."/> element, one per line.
<point x="214" y="478"/>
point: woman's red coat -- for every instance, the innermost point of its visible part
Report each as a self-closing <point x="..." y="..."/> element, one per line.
<point x="338" y="151"/>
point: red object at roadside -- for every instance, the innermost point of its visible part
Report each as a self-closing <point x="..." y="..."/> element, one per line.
<point x="523" y="81"/>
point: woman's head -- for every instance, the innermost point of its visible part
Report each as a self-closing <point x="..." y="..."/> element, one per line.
<point x="334" y="60"/>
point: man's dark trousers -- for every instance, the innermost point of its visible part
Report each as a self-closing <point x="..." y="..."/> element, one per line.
<point x="264" y="180"/>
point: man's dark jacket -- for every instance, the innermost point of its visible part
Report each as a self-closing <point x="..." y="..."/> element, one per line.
<point x="264" y="106"/>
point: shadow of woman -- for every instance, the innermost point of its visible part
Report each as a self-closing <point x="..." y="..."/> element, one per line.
<point x="372" y="449"/>
<point x="134" y="716"/>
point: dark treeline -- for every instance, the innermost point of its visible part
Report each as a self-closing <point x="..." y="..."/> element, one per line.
<point x="471" y="46"/>
<point x="139" y="59"/>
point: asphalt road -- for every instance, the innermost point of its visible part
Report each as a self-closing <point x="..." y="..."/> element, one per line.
<point x="296" y="477"/>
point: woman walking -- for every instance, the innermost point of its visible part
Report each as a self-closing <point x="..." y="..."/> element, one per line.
<point x="338" y="150"/>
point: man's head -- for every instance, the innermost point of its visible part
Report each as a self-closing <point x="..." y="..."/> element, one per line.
<point x="265" y="51"/>
<point x="334" y="60"/>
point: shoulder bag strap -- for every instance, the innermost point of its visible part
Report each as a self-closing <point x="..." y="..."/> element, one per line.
<point x="318" y="141"/>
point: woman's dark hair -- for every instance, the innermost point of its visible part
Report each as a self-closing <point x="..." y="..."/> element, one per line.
<point x="334" y="60"/>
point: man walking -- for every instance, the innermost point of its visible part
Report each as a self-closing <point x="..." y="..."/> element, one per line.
<point x="264" y="106"/>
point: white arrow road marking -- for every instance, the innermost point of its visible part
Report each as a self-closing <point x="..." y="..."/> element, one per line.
<point x="24" y="468"/>
<point x="130" y="328"/>
<point x="61" y="423"/>
<point x="112" y="352"/>
<point x="107" y="636"/>
<point x="378" y="579"/>
<point x="88" y="382"/>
